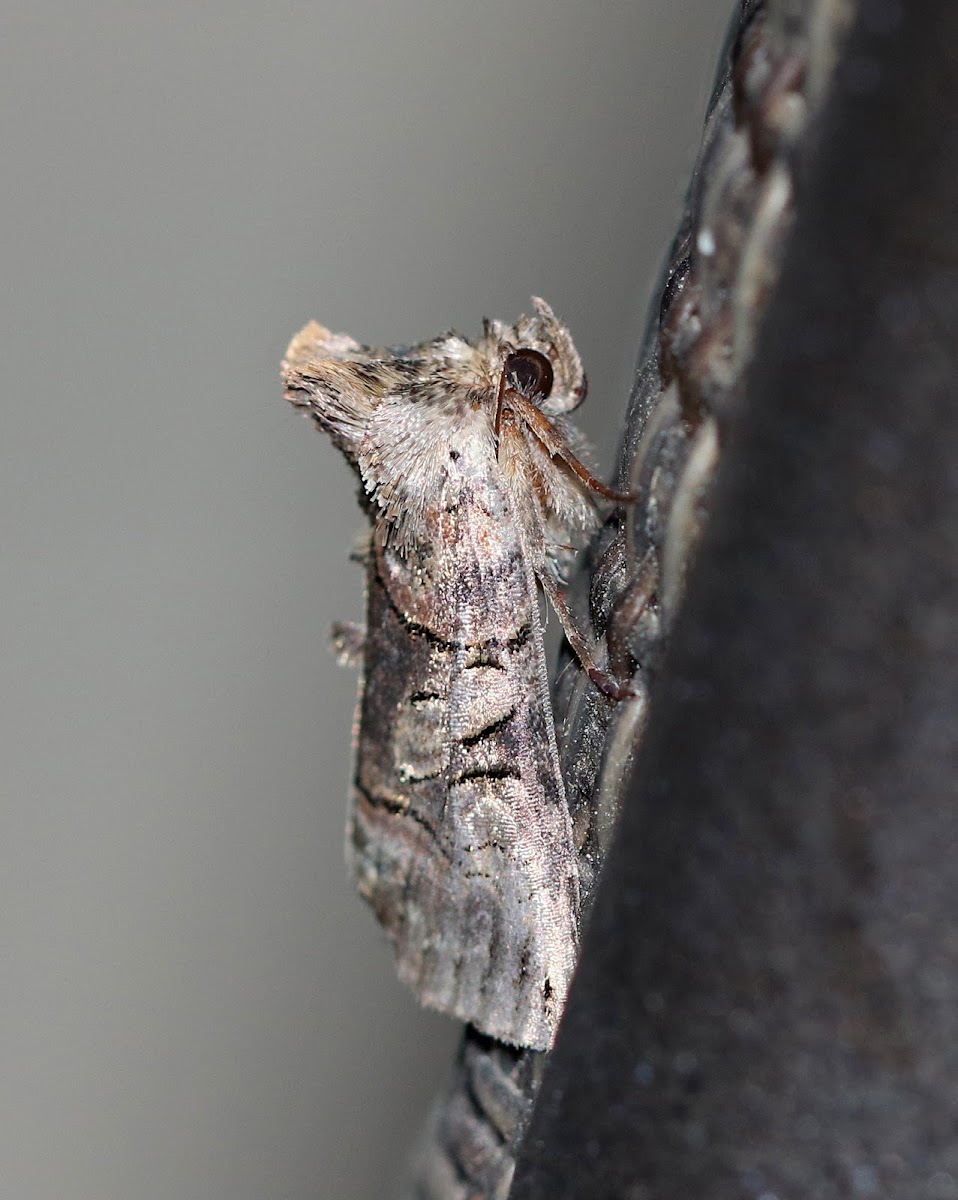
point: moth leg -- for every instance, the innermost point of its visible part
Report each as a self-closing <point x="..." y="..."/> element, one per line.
<point x="543" y="430"/>
<point x="348" y="642"/>
<point x="606" y="683"/>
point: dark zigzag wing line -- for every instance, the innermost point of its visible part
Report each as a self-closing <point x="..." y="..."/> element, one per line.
<point x="461" y="837"/>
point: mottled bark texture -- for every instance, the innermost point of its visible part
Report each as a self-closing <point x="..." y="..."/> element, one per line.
<point x="767" y="999"/>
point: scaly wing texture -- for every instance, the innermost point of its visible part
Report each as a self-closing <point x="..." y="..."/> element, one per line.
<point x="461" y="835"/>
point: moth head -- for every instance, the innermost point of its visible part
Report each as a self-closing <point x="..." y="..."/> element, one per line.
<point x="404" y="417"/>
<point x="539" y="360"/>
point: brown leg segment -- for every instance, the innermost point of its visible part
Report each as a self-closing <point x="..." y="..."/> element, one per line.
<point x="606" y="683"/>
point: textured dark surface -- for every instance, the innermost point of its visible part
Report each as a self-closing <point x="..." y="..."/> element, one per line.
<point x="700" y="333"/>
<point x="768" y="997"/>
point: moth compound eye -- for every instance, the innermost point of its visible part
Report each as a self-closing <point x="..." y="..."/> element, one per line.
<point x="530" y="373"/>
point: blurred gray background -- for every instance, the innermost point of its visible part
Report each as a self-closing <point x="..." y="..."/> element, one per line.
<point x="195" y="1003"/>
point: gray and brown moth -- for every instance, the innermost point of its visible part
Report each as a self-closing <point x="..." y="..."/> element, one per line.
<point x="474" y="482"/>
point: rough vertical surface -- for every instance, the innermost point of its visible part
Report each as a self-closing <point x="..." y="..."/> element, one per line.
<point x="767" y="1001"/>
<point x="698" y="342"/>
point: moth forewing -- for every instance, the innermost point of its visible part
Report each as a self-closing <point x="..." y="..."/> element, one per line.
<point x="461" y="836"/>
<point x="460" y="832"/>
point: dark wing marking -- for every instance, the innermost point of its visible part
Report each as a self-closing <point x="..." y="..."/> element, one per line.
<point x="469" y="863"/>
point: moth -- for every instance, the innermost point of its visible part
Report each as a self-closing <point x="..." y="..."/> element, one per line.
<point x="475" y="485"/>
